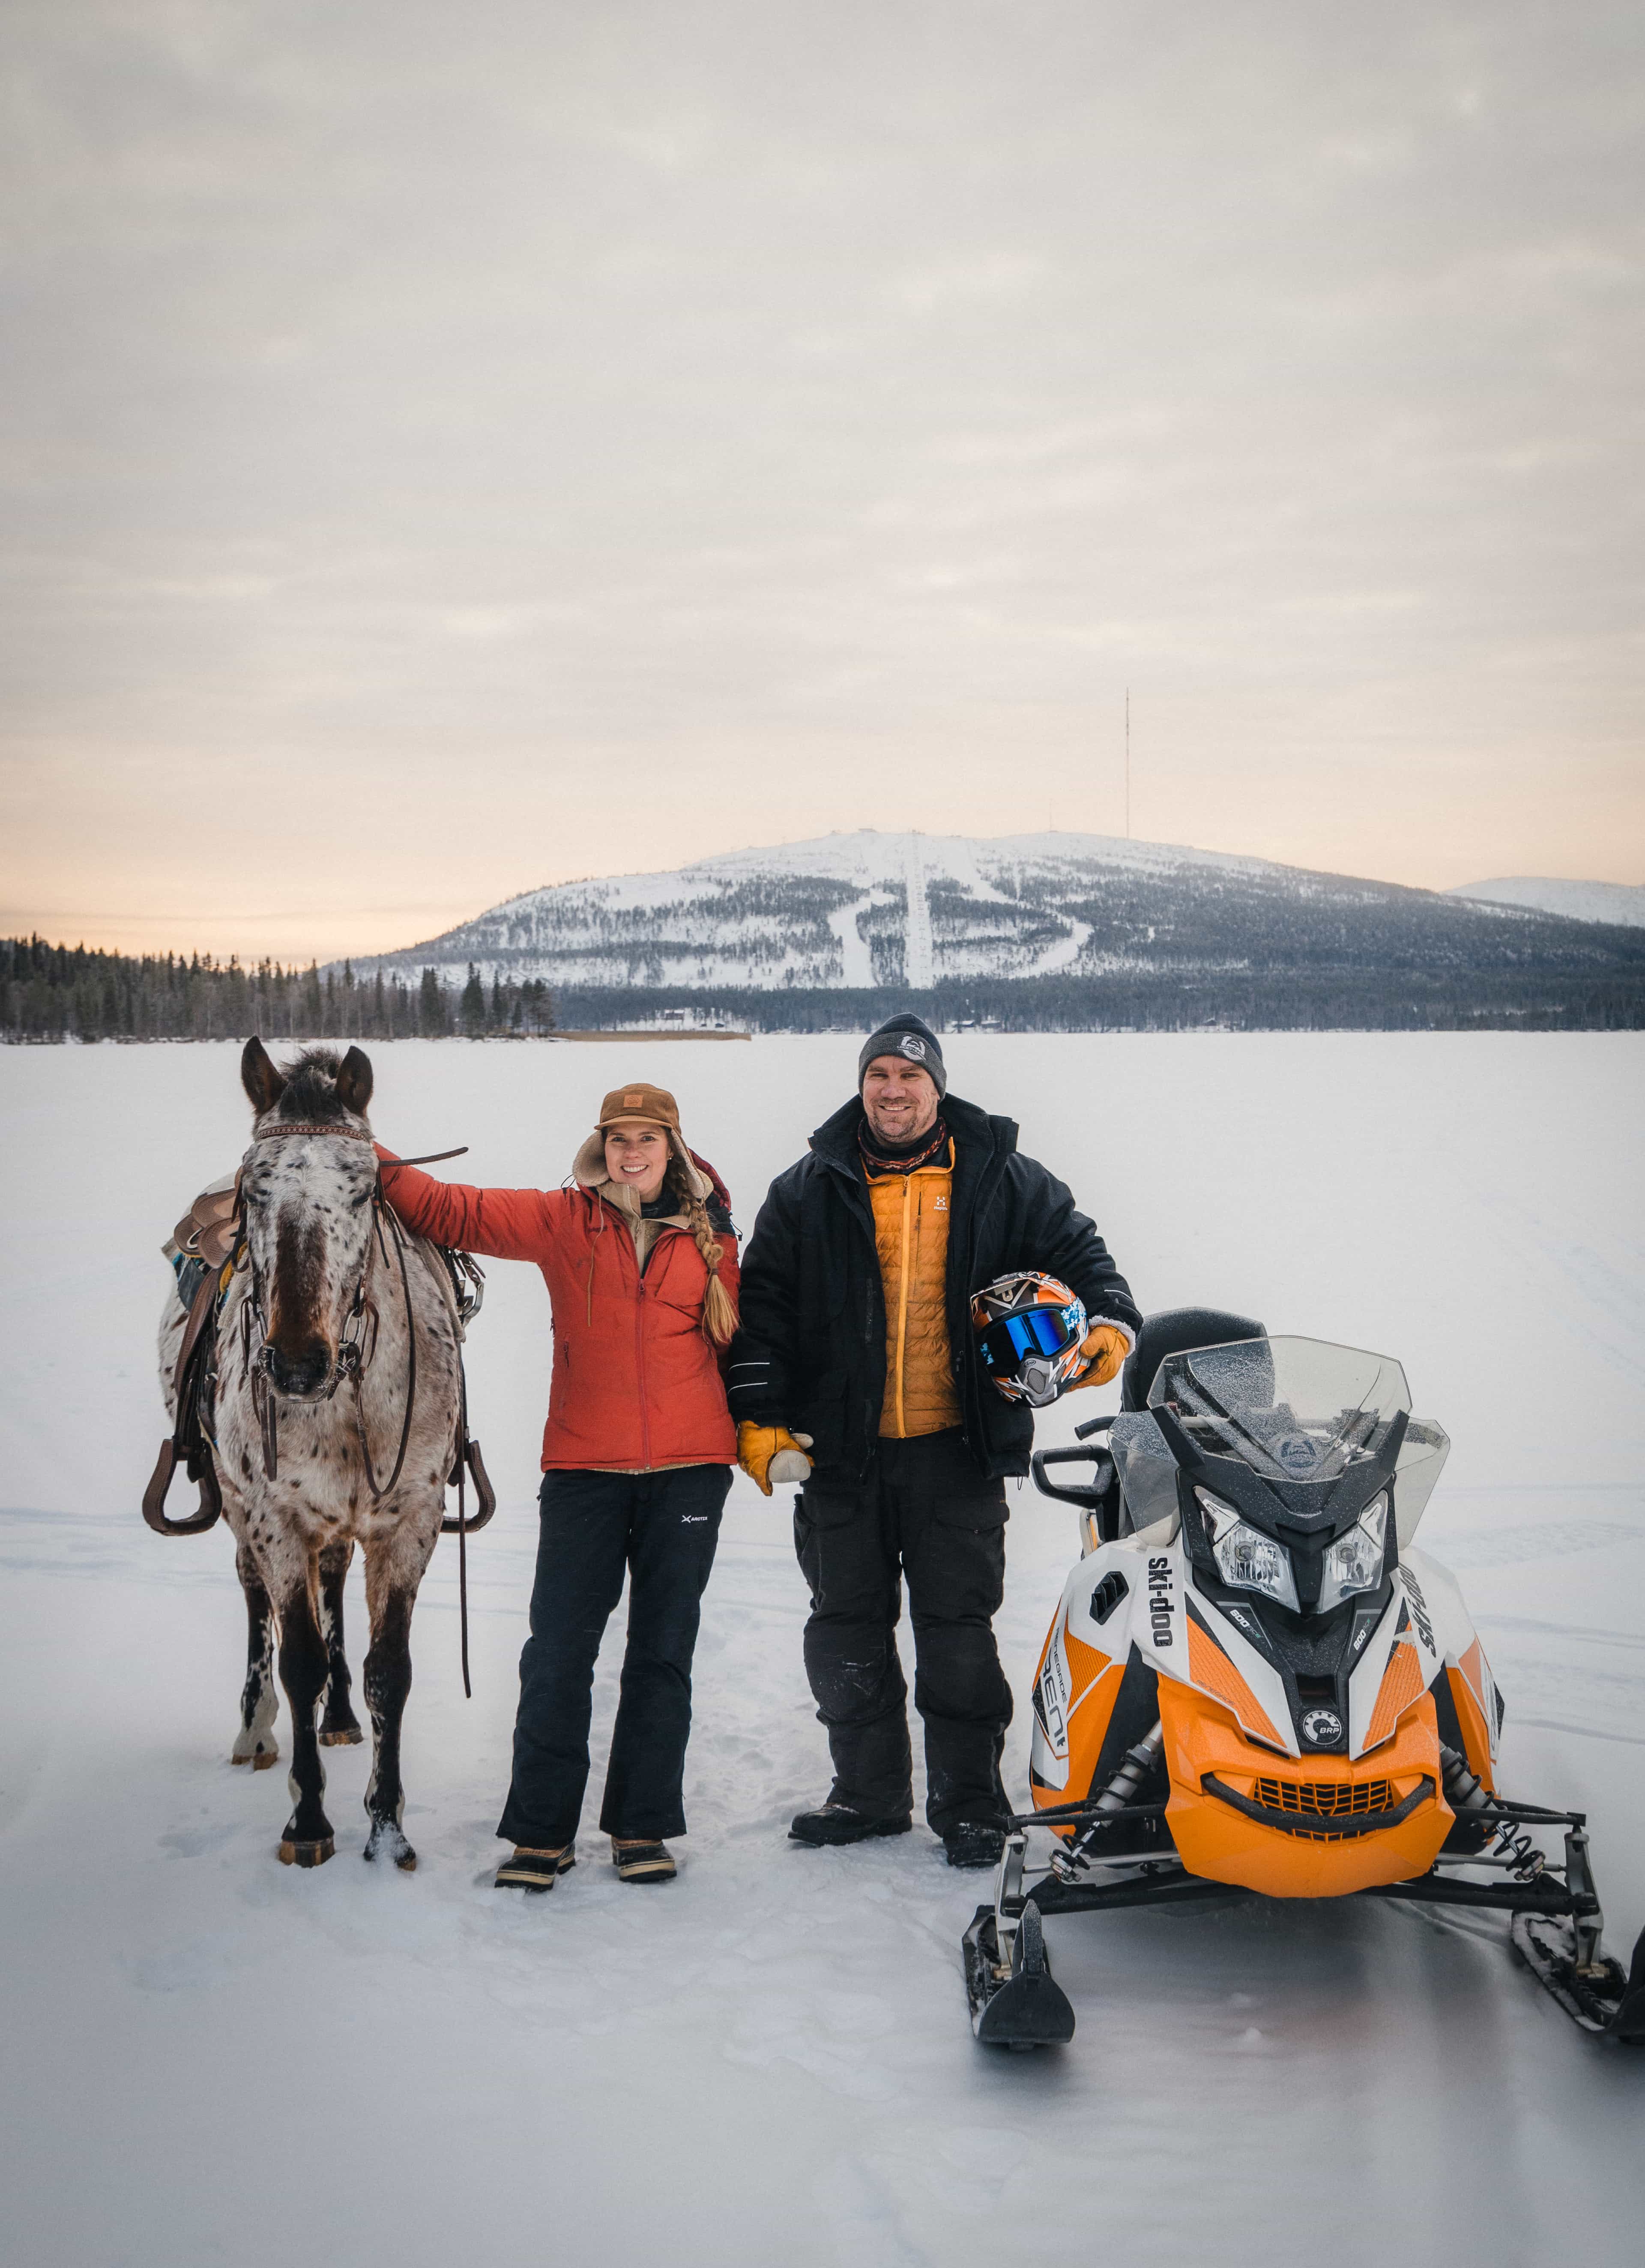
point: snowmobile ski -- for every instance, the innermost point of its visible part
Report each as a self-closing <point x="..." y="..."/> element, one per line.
<point x="1015" y="2001"/>
<point x="1600" y="1997"/>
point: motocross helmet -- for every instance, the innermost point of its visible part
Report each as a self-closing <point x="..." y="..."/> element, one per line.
<point x="1029" y="1332"/>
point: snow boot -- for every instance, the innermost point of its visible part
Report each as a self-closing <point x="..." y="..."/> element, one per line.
<point x="533" y="1870"/>
<point x="974" y="1842"/>
<point x="642" y="1862"/>
<point x="838" y="1822"/>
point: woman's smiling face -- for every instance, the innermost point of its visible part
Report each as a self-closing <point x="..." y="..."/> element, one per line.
<point x="636" y="1155"/>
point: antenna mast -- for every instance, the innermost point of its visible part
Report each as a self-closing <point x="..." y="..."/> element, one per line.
<point x="1127" y="763"/>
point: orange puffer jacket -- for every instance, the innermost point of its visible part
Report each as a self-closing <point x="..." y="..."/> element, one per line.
<point x="636" y="1384"/>
<point x="910" y="1232"/>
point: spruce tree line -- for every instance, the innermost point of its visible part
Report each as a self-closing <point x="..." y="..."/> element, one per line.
<point x="57" y="992"/>
<point x="61" y="992"/>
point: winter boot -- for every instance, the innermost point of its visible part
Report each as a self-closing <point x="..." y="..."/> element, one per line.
<point x="838" y="1822"/>
<point x="642" y="1861"/>
<point x="534" y="1870"/>
<point x="974" y="1842"/>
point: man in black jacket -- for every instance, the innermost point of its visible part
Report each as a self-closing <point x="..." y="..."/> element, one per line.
<point x="856" y="1346"/>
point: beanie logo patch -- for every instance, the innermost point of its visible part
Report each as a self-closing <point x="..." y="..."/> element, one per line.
<point x="632" y="1101"/>
<point x="915" y="1048"/>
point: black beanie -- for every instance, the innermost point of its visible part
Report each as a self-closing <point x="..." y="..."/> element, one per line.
<point x="909" y="1036"/>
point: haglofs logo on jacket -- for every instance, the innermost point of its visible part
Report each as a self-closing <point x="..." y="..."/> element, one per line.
<point x="915" y="1049"/>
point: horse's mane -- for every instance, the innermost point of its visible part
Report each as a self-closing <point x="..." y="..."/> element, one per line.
<point x="310" y="1095"/>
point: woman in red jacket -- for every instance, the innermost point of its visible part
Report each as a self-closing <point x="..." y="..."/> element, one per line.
<point x="641" y="1267"/>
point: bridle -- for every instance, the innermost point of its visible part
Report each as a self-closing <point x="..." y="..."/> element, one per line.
<point x="357" y="1343"/>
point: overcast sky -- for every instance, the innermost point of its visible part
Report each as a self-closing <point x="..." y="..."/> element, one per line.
<point x="448" y="449"/>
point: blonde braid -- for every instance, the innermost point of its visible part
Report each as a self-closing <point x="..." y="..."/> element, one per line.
<point x="720" y="1309"/>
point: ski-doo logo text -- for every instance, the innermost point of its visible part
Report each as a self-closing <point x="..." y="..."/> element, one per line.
<point x="1052" y="1696"/>
<point x="1419" y="1609"/>
<point x="1160" y="1604"/>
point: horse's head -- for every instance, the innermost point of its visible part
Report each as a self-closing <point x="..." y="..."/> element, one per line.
<point x="306" y="1198"/>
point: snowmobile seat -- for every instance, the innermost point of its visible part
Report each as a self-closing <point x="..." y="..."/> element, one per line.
<point x="1173" y="1331"/>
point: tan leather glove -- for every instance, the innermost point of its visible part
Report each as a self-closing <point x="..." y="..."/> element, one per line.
<point x="1103" y="1349"/>
<point x="772" y="1452"/>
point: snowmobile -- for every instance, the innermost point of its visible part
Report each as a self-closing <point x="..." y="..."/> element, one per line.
<point x="1256" y="1681"/>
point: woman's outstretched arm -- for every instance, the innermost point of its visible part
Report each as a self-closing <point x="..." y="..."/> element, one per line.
<point x="500" y="1224"/>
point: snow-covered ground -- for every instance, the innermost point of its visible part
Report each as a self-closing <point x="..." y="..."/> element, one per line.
<point x="212" y="2058"/>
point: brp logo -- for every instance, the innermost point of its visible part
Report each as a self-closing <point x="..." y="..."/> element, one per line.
<point x="1322" y="1728"/>
<point x="913" y="1048"/>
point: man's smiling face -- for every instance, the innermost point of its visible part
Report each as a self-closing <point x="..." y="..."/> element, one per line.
<point x="899" y="1099"/>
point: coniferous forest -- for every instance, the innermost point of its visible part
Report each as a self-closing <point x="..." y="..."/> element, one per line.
<point x="54" y="993"/>
<point x="62" y="992"/>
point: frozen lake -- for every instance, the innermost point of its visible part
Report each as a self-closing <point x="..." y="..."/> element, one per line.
<point x="212" y="2058"/>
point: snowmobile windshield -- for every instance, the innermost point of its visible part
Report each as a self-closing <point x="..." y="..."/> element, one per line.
<point x="1422" y="1455"/>
<point x="1147" y="1470"/>
<point x="1293" y="1409"/>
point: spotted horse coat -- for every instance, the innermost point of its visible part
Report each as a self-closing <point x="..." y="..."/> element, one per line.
<point x="321" y="1272"/>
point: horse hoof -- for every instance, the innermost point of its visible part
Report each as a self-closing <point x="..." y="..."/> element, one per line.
<point x="387" y="1842"/>
<point x="307" y="1855"/>
<point x="260" y="1760"/>
<point x="346" y="1736"/>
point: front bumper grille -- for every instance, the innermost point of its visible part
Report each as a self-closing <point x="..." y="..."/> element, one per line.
<point x="1326" y="1799"/>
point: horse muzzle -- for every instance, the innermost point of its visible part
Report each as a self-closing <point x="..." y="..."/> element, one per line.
<point x="309" y="1374"/>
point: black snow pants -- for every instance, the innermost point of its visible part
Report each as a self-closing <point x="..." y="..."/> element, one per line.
<point x="923" y="1515"/>
<point x="661" y="1528"/>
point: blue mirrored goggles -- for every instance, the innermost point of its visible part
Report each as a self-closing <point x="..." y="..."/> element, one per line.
<point x="1042" y="1331"/>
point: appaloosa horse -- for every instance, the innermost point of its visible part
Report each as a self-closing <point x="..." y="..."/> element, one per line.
<point x="335" y="1420"/>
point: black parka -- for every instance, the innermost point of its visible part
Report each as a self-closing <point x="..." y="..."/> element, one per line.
<point x="810" y="1354"/>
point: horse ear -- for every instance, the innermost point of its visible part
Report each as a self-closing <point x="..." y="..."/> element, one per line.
<point x="259" y="1078"/>
<point x="354" y="1081"/>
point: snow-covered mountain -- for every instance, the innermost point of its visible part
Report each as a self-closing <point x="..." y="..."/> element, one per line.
<point x="868" y="910"/>
<point x="1056" y="932"/>
<point x="1593" y="902"/>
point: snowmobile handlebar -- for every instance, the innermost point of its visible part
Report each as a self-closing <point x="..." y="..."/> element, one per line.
<point x="1095" y="1425"/>
<point x="1088" y="1497"/>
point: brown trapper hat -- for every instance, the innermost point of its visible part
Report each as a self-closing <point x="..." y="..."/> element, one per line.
<point x="654" y="1104"/>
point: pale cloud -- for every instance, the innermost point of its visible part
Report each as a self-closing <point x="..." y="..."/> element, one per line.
<point x="446" y="450"/>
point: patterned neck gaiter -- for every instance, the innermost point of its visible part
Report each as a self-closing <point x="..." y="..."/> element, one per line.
<point x="900" y="1158"/>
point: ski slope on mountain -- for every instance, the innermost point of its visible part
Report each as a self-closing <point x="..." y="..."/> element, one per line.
<point x="853" y="910"/>
<point x="214" y="2059"/>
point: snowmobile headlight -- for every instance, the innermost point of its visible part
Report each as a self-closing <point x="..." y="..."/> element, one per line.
<point x="1247" y="1560"/>
<point x="1355" y="1561"/>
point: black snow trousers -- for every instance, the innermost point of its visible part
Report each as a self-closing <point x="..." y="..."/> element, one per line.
<point x="923" y="1515"/>
<point x="662" y="1530"/>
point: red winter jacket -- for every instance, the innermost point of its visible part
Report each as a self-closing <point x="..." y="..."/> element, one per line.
<point x="636" y="1384"/>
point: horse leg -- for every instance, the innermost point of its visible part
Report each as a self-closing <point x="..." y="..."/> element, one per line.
<point x="339" y="1727"/>
<point x="307" y="1840"/>
<point x="254" y="1743"/>
<point x="392" y="1575"/>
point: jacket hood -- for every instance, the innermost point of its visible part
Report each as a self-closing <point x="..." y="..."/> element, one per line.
<point x="835" y="1138"/>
